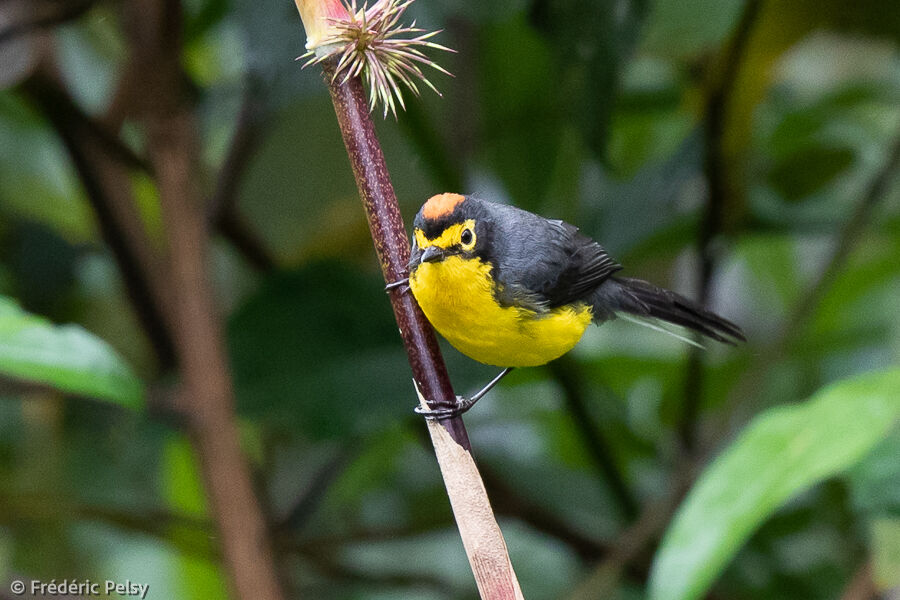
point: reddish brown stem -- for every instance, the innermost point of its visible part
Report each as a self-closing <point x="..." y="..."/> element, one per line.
<point x="478" y="528"/>
<point x="391" y="243"/>
<point x="861" y="586"/>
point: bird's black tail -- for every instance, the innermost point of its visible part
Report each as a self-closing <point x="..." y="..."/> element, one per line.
<point x="642" y="299"/>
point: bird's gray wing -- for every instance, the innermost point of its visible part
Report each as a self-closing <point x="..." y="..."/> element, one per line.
<point x="549" y="263"/>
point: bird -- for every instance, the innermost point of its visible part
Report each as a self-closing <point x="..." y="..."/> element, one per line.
<point x="510" y="288"/>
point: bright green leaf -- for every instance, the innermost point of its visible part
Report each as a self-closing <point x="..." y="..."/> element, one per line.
<point x="65" y="357"/>
<point x="781" y="453"/>
<point x="197" y="577"/>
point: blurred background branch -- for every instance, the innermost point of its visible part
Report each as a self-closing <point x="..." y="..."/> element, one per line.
<point x="102" y="163"/>
<point x="720" y="197"/>
<point x="847" y="239"/>
<point x="207" y="398"/>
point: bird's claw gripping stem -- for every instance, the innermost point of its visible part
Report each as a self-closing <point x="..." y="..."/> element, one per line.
<point x="446" y="412"/>
<point x="462" y="403"/>
<point x="396" y="284"/>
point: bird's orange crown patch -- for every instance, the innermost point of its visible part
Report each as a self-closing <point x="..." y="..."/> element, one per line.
<point x="441" y="205"/>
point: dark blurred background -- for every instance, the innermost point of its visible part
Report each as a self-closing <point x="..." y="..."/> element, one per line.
<point x="740" y="152"/>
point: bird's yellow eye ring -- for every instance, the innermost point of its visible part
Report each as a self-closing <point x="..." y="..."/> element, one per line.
<point x="467" y="238"/>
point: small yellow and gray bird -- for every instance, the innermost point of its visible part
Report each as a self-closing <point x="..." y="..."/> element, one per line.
<point x="509" y="288"/>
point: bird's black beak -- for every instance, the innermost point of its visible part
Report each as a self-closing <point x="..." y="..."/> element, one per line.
<point x="432" y="254"/>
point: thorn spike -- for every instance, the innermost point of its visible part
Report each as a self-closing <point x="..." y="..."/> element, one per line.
<point x="371" y="43"/>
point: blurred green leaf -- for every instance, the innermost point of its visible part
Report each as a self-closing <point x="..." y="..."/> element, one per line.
<point x="291" y="206"/>
<point x="777" y="32"/>
<point x="374" y="467"/>
<point x="91" y="53"/>
<point x="875" y="481"/>
<point x="781" y="453"/>
<point x="689" y="27"/>
<point x="34" y="165"/>
<point x="870" y="270"/>
<point x="196" y="577"/>
<point x="637" y="138"/>
<point x="499" y="10"/>
<point x="203" y="15"/>
<point x="649" y="122"/>
<point x="796" y="128"/>
<point x="183" y="487"/>
<point x="522" y="121"/>
<point x="591" y="41"/>
<point x="65" y="357"/>
<point x="298" y="191"/>
<point x="772" y="260"/>
<point x="318" y="349"/>
<point x="273" y="36"/>
<point x="809" y="170"/>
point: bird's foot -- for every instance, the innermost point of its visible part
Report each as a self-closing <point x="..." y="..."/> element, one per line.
<point x="441" y="413"/>
<point x="398" y="284"/>
<point x="462" y="403"/>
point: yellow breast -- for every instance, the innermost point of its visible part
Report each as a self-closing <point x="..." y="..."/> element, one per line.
<point x="457" y="297"/>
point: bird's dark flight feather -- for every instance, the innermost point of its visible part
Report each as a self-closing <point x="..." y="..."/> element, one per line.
<point x="642" y="299"/>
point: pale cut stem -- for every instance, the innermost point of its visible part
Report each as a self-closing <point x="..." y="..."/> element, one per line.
<point x="481" y="535"/>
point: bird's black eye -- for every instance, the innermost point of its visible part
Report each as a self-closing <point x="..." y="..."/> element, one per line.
<point x="466" y="237"/>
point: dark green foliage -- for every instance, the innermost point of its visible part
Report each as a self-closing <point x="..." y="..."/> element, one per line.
<point x="304" y="338"/>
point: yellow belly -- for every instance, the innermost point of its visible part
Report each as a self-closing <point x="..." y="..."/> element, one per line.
<point x="456" y="296"/>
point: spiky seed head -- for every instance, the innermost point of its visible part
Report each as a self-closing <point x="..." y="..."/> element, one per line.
<point x="370" y="42"/>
